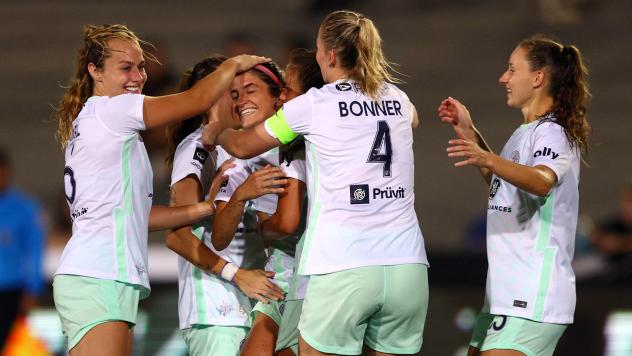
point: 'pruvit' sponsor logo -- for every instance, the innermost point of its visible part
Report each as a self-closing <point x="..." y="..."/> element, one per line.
<point x="545" y="152"/>
<point x="388" y="193"/>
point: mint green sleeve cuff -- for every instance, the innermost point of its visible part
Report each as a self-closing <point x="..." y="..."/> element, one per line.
<point x="278" y="127"/>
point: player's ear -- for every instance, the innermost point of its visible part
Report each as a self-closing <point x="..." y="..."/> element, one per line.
<point x="331" y="58"/>
<point x="95" y="72"/>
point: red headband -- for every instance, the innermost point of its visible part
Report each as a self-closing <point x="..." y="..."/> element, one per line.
<point x="270" y="74"/>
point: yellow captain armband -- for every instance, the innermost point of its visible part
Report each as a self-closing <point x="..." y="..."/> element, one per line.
<point x="278" y="126"/>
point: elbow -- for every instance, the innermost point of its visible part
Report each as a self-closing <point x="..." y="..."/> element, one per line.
<point x="288" y="228"/>
<point x="543" y="190"/>
<point x="171" y="241"/>
<point x="217" y="244"/>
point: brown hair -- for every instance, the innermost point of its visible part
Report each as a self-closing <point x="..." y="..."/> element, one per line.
<point x="179" y="131"/>
<point x="303" y="61"/>
<point x="568" y="85"/>
<point x="94" y="50"/>
<point x="358" y="45"/>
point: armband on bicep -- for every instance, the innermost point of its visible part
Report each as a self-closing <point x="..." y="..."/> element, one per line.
<point x="278" y="128"/>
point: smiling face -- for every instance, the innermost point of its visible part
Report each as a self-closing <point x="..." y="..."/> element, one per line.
<point x="519" y="80"/>
<point x="252" y="100"/>
<point x="122" y="72"/>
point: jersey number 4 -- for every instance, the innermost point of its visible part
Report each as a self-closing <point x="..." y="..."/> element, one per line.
<point x="382" y="139"/>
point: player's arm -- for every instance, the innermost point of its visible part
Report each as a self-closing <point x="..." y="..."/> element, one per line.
<point x="451" y="111"/>
<point x="240" y="143"/>
<point x="269" y="180"/>
<point x="163" y="217"/>
<point x="249" y="143"/>
<point x="538" y="180"/>
<point x="254" y="283"/>
<point x="162" y="110"/>
<point x="287" y="218"/>
<point x="181" y="240"/>
<point x="415" y="121"/>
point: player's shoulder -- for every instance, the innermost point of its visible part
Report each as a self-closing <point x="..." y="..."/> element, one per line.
<point x="548" y="125"/>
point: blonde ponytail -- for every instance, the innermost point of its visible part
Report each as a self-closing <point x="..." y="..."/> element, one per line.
<point x="358" y="45"/>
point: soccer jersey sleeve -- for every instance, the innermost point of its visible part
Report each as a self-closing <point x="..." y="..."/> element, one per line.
<point x="293" y="119"/>
<point x="236" y="176"/>
<point x="551" y="148"/>
<point x="122" y="114"/>
<point x="189" y="159"/>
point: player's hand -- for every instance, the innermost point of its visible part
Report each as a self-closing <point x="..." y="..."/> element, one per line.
<point x="256" y="284"/>
<point x="451" y="111"/>
<point x="472" y="153"/>
<point x="268" y="180"/>
<point x="247" y="61"/>
<point x="219" y="179"/>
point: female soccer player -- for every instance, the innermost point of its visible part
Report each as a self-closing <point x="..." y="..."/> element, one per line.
<point x="273" y="328"/>
<point x="533" y="199"/>
<point x="363" y="248"/>
<point x="212" y="311"/>
<point x="103" y="269"/>
<point x="257" y="94"/>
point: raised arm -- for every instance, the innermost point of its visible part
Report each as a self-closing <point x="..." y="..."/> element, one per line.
<point x="268" y="180"/>
<point x="162" y="110"/>
<point x="240" y="143"/>
<point x="451" y="111"/>
<point x="536" y="180"/>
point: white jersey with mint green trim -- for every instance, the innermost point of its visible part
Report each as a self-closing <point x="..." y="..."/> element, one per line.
<point x="531" y="240"/>
<point x="360" y="177"/>
<point x="281" y="252"/>
<point x="205" y="299"/>
<point x="108" y="185"/>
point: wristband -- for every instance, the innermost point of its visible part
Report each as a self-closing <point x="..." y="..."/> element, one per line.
<point x="229" y="271"/>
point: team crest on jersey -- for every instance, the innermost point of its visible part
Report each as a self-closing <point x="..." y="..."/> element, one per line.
<point x="224" y="309"/>
<point x="200" y="155"/>
<point x="359" y="193"/>
<point x="494" y="189"/>
<point x="344" y="86"/>
<point x="515" y="156"/>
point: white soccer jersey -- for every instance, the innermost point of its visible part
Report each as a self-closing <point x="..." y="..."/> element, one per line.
<point x="205" y="299"/>
<point x="360" y="177"/>
<point x="108" y="185"/>
<point x="531" y="240"/>
<point x="282" y="251"/>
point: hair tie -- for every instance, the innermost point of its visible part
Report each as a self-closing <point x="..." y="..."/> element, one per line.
<point x="270" y="74"/>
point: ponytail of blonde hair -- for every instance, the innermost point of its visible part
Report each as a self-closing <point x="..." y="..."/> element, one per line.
<point x="358" y="45"/>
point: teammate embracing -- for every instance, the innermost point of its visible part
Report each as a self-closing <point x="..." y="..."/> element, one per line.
<point x="363" y="249"/>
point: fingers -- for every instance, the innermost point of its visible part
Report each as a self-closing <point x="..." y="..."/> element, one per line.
<point x="247" y="61"/>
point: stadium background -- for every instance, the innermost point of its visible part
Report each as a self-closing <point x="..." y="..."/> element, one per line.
<point x="446" y="48"/>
